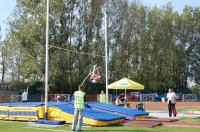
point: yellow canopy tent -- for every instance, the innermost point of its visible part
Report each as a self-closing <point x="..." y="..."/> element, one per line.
<point x="126" y="84"/>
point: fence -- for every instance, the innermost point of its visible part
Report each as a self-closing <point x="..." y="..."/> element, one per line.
<point x="147" y="97"/>
<point x="18" y="98"/>
<point x="15" y="98"/>
<point x="93" y="98"/>
<point x="53" y="97"/>
<point x="189" y="97"/>
<point x="5" y="99"/>
<point x="68" y="97"/>
<point x="110" y="98"/>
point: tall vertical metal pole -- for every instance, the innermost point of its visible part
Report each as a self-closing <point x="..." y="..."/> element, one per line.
<point x="47" y="58"/>
<point x="106" y="58"/>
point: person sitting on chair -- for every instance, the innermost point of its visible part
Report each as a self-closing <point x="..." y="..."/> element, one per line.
<point x="118" y="102"/>
<point x="95" y="78"/>
<point x="58" y="99"/>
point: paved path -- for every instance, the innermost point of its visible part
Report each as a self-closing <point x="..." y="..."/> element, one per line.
<point x="161" y="114"/>
<point x="181" y="124"/>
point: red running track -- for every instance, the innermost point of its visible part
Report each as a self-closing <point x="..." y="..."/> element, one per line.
<point x="164" y="105"/>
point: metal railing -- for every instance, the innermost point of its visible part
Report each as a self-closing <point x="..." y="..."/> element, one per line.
<point x="54" y="97"/>
<point x="15" y="98"/>
<point x="147" y="97"/>
<point x="110" y="98"/>
<point x="93" y="98"/>
<point x="5" y="99"/>
<point x="189" y="97"/>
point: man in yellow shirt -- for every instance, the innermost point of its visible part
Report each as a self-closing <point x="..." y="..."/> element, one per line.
<point x="79" y="105"/>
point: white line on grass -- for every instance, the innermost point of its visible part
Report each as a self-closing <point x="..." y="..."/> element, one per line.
<point x="47" y="129"/>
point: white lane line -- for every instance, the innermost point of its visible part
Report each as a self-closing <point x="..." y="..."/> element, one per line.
<point x="47" y="129"/>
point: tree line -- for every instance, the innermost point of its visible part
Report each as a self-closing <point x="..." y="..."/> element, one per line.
<point x="157" y="47"/>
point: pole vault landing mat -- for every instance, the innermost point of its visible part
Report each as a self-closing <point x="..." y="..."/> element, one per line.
<point x="181" y="124"/>
<point x="50" y="122"/>
<point x="158" y="119"/>
<point x="141" y="123"/>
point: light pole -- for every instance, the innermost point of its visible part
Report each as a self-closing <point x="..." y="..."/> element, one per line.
<point x="47" y="58"/>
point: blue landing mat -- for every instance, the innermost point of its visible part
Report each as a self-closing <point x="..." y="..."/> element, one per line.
<point x="126" y="112"/>
<point x="50" y="122"/>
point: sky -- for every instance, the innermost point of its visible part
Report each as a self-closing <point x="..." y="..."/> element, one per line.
<point x="178" y="5"/>
<point x="7" y="6"/>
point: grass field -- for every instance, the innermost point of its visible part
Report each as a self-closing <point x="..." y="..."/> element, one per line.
<point x="9" y="126"/>
<point x="194" y="120"/>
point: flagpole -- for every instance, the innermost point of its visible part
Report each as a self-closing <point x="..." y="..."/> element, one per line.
<point x="47" y="58"/>
<point x="106" y="57"/>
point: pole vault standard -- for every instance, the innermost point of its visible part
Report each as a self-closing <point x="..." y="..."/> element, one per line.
<point x="106" y="58"/>
<point x="47" y="58"/>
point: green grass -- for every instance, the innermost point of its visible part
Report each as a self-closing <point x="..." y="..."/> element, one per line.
<point x="8" y="126"/>
<point x="194" y="120"/>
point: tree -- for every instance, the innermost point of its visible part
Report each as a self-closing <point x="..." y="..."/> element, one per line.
<point x="154" y="46"/>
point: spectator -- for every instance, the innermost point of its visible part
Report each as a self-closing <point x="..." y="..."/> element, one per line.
<point x="102" y="97"/>
<point x="25" y="95"/>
